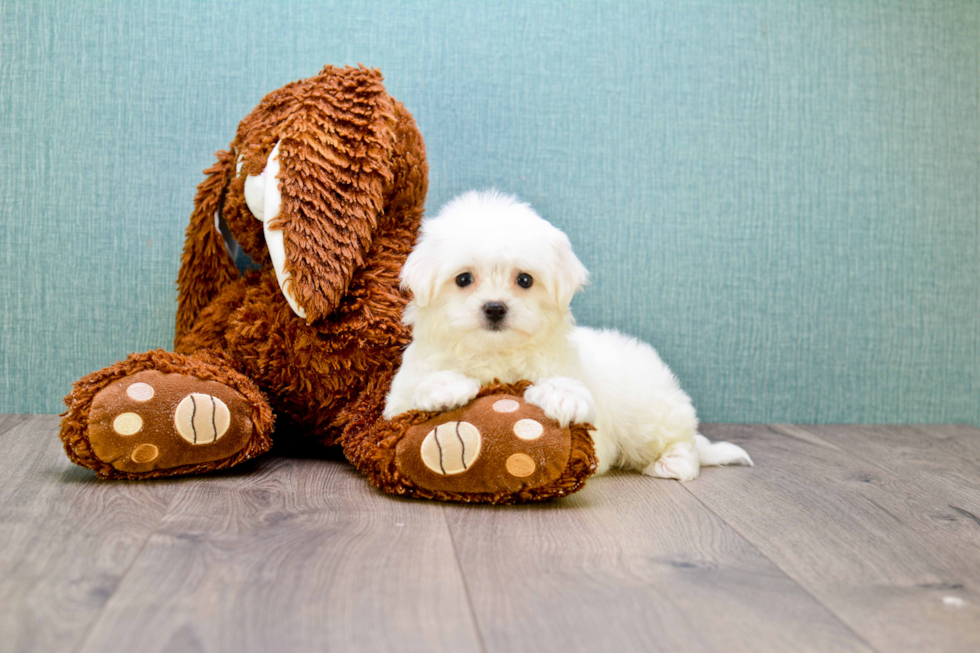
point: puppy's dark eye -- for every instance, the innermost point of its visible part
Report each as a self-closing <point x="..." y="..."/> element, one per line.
<point x="524" y="280"/>
<point x="464" y="279"/>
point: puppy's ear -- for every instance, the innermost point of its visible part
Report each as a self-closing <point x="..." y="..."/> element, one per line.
<point x="570" y="275"/>
<point x="421" y="271"/>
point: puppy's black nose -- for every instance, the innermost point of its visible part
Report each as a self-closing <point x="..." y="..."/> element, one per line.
<point x="495" y="311"/>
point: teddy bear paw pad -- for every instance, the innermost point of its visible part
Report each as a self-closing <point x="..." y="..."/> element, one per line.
<point x="152" y="420"/>
<point x="497" y="443"/>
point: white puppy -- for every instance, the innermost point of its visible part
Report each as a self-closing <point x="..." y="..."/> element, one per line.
<point x="492" y="283"/>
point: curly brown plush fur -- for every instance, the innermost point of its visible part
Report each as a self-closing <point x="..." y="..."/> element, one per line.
<point x="353" y="184"/>
<point x="353" y="181"/>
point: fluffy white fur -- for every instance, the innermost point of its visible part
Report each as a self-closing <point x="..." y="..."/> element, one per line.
<point x="643" y="420"/>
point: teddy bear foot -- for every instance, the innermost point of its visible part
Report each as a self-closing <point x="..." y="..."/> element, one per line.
<point x="139" y="422"/>
<point x="151" y="421"/>
<point x="496" y="449"/>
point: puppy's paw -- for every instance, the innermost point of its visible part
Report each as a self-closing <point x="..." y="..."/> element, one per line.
<point x="444" y="391"/>
<point x="563" y="399"/>
<point x="679" y="462"/>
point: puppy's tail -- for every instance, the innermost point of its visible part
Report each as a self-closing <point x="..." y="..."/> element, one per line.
<point x="720" y="453"/>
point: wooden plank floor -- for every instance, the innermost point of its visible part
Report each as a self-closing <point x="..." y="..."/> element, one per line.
<point x="854" y="538"/>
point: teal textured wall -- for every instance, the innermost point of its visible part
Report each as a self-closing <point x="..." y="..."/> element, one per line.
<point x="781" y="196"/>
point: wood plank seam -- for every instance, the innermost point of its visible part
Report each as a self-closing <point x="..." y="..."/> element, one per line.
<point x="816" y="439"/>
<point x="12" y="420"/>
<point x="466" y="587"/>
<point x="896" y="508"/>
<point x="789" y="575"/>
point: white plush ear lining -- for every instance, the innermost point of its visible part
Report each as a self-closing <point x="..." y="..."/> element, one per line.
<point x="265" y="201"/>
<point x="571" y="274"/>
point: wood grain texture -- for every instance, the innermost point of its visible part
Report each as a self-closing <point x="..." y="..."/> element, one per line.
<point x="631" y="564"/>
<point x="840" y="539"/>
<point x="882" y="550"/>
<point x="9" y="421"/>
<point x="66" y="539"/>
<point x="943" y="459"/>
<point x="298" y="555"/>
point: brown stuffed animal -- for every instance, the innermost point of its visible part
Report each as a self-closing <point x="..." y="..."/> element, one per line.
<point x="323" y="188"/>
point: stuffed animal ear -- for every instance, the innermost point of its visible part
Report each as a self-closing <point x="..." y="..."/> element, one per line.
<point x="205" y="266"/>
<point x="333" y="158"/>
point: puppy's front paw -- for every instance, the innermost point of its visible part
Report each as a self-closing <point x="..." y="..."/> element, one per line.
<point x="563" y="399"/>
<point x="444" y="391"/>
